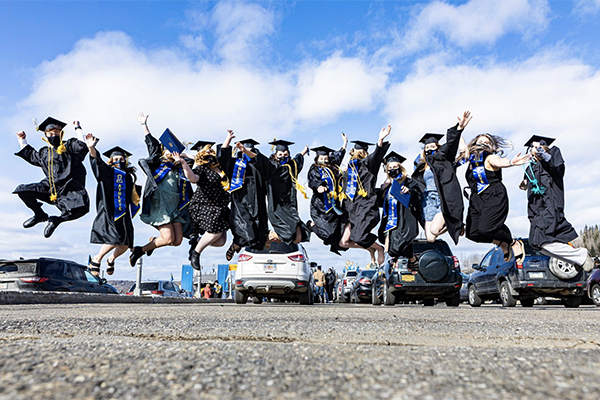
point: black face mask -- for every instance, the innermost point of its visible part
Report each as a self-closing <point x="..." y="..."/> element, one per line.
<point x="120" y="165"/>
<point x="394" y="173"/>
<point x="283" y="160"/>
<point x="430" y="152"/>
<point x="54" y="141"/>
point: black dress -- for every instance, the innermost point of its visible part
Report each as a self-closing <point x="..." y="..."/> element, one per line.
<point x="105" y="230"/>
<point x="363" y="212"/>
<point x="402" y="236"/>
<point x="209" y="205"/>
<point x="488" y="210"/>
<point x="546" y="212"/>
<point x="444" y="168"/>
<point x="282" y="207"/>
<point x="69" y="179"/>
<point x="248" y="220"/>
<point x="328" y="225"/>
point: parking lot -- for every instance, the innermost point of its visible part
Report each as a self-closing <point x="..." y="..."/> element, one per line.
<point x="345" y="351"/>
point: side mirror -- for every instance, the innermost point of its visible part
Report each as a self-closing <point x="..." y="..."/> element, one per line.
<point x="476" y="266"/>
<point x="103" y="281"/>
<point x="313" y="264"/>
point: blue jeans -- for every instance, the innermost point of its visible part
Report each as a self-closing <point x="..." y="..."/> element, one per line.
<point x="321" y="292"/>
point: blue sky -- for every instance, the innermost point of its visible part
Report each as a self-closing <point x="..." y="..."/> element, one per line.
<point x="304" y="71"/>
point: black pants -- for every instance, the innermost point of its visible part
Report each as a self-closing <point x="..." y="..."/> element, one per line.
<point x="32" y="200"/>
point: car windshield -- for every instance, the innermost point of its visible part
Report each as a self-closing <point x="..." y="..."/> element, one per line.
<point x="351" y="274"/>
<point x="276" y="248"/>
<point x="442" y="247"/>
<point x="368" y="273"/>
<point x="149" y="286"/>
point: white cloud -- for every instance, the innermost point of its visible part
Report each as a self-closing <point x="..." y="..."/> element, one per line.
<point x="584" y="7"/>
<point x="474" y="22"/>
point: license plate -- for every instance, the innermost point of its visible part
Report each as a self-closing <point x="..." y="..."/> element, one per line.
<point x="536" y="275"/>
<point x="408" y="278"/>
<point x="3" y="285"/>
<point x="270" y="268"/>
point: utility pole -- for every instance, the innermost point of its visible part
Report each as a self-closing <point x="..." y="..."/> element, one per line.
<point x="138" y="279"/>
<point x="198" y="283"/>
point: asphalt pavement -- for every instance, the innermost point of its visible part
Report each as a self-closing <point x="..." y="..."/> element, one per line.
<point x="287" y="351"/>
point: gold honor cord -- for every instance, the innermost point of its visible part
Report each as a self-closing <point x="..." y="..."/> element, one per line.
<point x="51" y="179"/>
<point x="361" y="190"/>
<point x="294" y="180"/>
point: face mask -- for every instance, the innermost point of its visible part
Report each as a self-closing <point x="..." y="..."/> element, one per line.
<point x="430" y="152"/>
<point x="120" y="165"/>
<point x="283" y="160"/>
<point x="54" y="141"/>
<point x="394" y="173"/>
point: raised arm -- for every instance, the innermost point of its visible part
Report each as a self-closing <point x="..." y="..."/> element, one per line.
<point x="192" y="177"/>
<point x="497" y="162"/>
<point x="453" y="136"/>
<point x="376" y="157"/>
<point x="27" y="152"/>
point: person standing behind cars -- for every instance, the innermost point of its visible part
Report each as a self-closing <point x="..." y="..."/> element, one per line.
<point x="218" y="290"/>
<point x="206" y="292"/>
<point x="320" y="282"/>
<point x="549" y="229"/>
<point x="329" y="284"/>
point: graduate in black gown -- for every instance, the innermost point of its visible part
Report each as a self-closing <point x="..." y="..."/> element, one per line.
<point x="248" y="220"/>
<point x="549" y="230"/>
<point x="324" y="178"/>
<point x="64" y="185"/>
<point x="117" y="202"/>
<point x="400" y="200"/>
<point x="488" y="200"/>
<point x="442" y="201"/>
<point x="360" y="197"/>
<point x="281" y="174"/>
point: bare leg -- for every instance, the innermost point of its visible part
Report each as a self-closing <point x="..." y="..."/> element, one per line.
<point x="298" y="235"/>
<point x="435" y="228"/>
<point x="375" y="247"/>
<point x="104" y="250"/>
<point x="166" y="238"/>
<point x="208" y="239"/>
<point x="220" y="242"/>
<point x="119" y="250"/>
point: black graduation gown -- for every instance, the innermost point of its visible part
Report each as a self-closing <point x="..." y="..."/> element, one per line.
<point x="363" y="212"/>
<point x="148" y="166"/>
<point x="105" y="230"/>
<point x="546" y="212"/>
<point x="248" y="218"/>
<point x="328" y="226"/>
<point x="444" y="169"/>
<point x="402" y="236"/>
<point x="282" y="207"/>
<point x="69" y="177"/>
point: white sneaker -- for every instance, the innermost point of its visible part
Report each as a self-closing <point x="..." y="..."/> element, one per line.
<point x="588" y="265"/>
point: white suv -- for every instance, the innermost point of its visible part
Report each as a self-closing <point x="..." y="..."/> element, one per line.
<point x="282" y="272"/>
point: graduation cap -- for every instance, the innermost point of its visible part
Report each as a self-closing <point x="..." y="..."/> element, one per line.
<point x="431" y="138"/>
<point x="200" y="145"/>
<point x="281" y="145"/>
<point x="249" y="143"/>
<point x="322" y="150"/>
<point x="393" y="157"/>
<point x="170" y="141"/>
<point x="117" y="151"/>
<point x="543" y="140"/>
<point x="360" y="145"/>
<point x="50" y="123"/>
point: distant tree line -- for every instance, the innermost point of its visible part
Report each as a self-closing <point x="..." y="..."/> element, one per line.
<point x="590" y="235"/>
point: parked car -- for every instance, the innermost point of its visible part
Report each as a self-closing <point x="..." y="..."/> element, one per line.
<point x="537" y="276"/>
<point x="346" y="284"/>
<point x="360" y="291"/>
<point x="464" y="290"/>
<point x="438" y="279"/>
<point x="281" y="272"/>
<point x="50" y="274"/>
<point x="158" y="289"/>
<point x="593" y="287"/>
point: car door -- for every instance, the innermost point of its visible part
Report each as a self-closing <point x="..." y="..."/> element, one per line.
<point x="93" y="283"/>
<point x="78" y="282"/>
<point x="486" y="277"/>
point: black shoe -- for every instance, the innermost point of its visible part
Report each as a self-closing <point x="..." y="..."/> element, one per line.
<point x="136" y="253"/>
<point x="195" y="260"/>
<point x="309" y="226"/>
<point x="51" y="226"/>
<point x="36" y="219"/>
<point x="193" y="242"/>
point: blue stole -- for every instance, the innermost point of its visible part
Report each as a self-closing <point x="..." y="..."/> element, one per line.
<point x="162" y="171"/>
<point x="478" y="169"/>
<point x="239" y="172"/>
<point x="184" y="192"/>
<point x="329" y="195"/>
<point x="133" y="209"/>
<point x="120" y="193"/>
<point x="352" y="182"/>
<point x="392" y="196"/>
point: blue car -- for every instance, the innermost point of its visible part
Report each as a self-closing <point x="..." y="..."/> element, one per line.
<point x="537" y="276"/>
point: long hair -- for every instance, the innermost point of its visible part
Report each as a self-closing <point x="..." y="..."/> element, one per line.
<point x="498" y="144"/>
<point x="358" y="154"/>
<point x="205" y="156"/>
<point x="403" y="172"/>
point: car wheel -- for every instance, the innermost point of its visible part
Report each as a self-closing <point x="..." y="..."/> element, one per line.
<point x="562" y="269"/>
<point x="474" y="299"/>
<point x="505" y="296"/>
<point x="311" y="297"/>
<point x="388" y="297"/>
<point x="257" y="300"/>
<point x="527" y="302"/>
<point x="572" y="301"/>
<point x="453" y="301"/>
<point x="429" y="302"/>
<point x="240" y="298"/>
<point x="304" y="297"/>
<point x="375" y="300"/>
<point x="596" y="294"/>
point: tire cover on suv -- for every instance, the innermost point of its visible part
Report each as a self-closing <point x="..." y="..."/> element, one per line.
<point x="562" y="269"/>
<point x="433" y="266"/>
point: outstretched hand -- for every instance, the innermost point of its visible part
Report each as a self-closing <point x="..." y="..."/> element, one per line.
<point x="21" y="135"/>
<point x="90" y="140"/>
<point x="142" y="119"/>
<point x="385" y="131"/>
<point x="76" y="124"/>
<point x="344" y="140"/>
<point x="230" y="134"/>
<point x="176" y="156"/>
<point x="464" y="121"/>
<point x="520" y="160"/>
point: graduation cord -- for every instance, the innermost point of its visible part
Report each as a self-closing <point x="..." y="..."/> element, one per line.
<point x="294" y="180"/>
<point x="51" y="179"/>
<point x="361" y="189"/>
<point x="536" y="189"/>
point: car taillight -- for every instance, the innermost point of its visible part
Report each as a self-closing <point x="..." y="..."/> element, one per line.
<point x="297" y="258"/>
<point x="302" y="283"/>
<point x="364" y="280"/>
<point x="244" y="257"/>
<point x="456" y="262"/>
<point x="239" y="282"/>
<point x="34" y="279"/>
<point x="129" y="294"/>
<point x="344" y="282"/>
<point x="159" y="292"/>
<point x="519" y="263"/>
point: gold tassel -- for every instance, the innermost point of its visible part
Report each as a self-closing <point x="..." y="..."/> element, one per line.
<point x="226" y="184"/>
<point x="362" y="192"/>
<point x="53" y="197"/>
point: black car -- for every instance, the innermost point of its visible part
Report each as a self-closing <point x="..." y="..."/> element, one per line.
<point x="360" y="291"/>
<point x="439" y="277"/>
<point x="50" y="274"/>
<point x="537" y="276"/>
